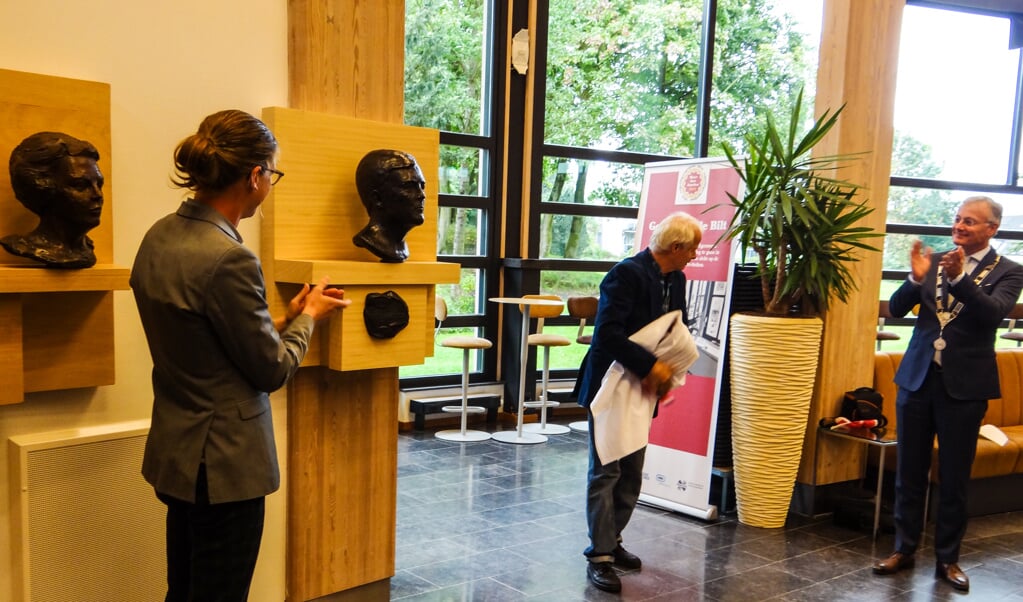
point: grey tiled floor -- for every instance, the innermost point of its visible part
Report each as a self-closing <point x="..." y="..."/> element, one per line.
<point x="496" y="522"/>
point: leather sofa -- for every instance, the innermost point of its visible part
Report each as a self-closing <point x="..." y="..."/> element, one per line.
<point x="997" y="474"/>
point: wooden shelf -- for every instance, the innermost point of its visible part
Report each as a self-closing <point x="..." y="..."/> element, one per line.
<point x="355" y="273"/>
<point x="37" y="279"/>
<point x="413" y="281"/>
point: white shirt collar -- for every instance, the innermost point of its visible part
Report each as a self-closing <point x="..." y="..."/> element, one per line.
<point x="979" y="255"/>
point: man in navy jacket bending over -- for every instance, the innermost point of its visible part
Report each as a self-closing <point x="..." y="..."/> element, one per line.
<point x="634" y="293"/>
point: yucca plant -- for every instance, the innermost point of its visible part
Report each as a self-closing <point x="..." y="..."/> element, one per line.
<point x="799" y="219"/>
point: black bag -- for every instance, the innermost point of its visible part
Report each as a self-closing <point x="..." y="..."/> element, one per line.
<point x="864" y="404"/>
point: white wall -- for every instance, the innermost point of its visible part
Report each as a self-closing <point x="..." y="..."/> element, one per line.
<point x="169" y="64"/>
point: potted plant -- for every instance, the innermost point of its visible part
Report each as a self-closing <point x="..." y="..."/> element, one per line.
<point x="802" y="223"/>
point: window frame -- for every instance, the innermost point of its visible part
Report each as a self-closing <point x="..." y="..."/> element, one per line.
<point x="1012" y="182"/>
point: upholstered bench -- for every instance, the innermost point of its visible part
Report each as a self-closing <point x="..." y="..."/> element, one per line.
<point x="998" y="470"/>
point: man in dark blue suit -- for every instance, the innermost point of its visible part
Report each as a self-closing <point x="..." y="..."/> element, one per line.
<point x="636" y="291"/>
<point x="945" y="379"/>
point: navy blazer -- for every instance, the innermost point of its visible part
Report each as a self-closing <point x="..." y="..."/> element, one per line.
<point x="631" y="296"/>
<point x="969" y="367"/>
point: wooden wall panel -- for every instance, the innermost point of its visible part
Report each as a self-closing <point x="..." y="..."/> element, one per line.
<point x="66" y="337"/>
<point x="316" y="207"/>
<point x="69" y="340"/>
<point x="12" y="377"/>
<point x="347" y="57"/>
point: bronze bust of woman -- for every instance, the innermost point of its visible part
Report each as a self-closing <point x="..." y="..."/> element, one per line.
<point x="55" y="176"/>
<point x="392" y="188"/>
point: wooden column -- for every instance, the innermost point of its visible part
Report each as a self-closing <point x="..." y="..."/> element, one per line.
<point x="858" y="60"/>
<point x="342" y="476"/>
<point x="345" y="57"/>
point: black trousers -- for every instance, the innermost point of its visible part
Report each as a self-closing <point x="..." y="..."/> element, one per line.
<point x="211" y="548"/>
<point x="922" y="415"/>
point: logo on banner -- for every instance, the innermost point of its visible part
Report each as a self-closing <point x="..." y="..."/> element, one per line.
<point x="692" y="185"/>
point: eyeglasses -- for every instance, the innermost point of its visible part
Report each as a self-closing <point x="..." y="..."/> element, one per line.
<point x="275" y="175"/>
<point x="969" y="222"/>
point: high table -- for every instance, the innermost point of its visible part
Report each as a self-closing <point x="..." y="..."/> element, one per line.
<point x="518" y="436"/>
<point x="878" y="437"/>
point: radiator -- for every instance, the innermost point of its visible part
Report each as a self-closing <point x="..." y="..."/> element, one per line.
<point x="85" y="525"/>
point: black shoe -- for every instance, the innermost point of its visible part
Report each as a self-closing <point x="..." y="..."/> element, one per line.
<point x="626" y="559"/>
<point x="603" y="576"/>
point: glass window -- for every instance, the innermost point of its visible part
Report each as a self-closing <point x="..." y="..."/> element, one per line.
<point x="446" y="360"/>
<point x="591" y="182"/>
<point x="449" y="62"/>
<point x="584" y="237"/>
<point x="463" y="299"/>
<point x="918" y="206"/>
<point x="764" y="53"/>
<point x="567" y="284"/>
<point x="955" y="94"/>
<point x="624" y="75"/>
<point x="937" y="208"/>
<point x="462" y="170"/>
<point x="445" y="75"/>
<point x="459" y="231"/>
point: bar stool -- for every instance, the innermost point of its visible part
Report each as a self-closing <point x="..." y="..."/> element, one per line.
<point x="540" y="339"/>
<point x="466" y="344"/>
<point x="583" y="309"/>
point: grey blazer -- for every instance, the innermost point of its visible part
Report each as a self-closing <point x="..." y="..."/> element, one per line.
<point x="216" y="356"/>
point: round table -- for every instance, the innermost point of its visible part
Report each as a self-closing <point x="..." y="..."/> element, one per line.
<point x="518" y="436"/>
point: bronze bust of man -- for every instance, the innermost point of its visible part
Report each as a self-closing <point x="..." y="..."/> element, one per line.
<point x="55" y="176"/>
<point x="392" y="189"/>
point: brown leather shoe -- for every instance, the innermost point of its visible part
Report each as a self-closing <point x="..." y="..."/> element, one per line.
<point x="894" y="563"/>
<point x="954" y="575"/>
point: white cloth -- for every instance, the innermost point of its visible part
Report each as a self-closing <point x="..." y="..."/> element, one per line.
<point x="622" y="411"/>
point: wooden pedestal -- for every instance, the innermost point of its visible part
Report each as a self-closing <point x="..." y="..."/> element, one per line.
<point x="342" y="483"/>
<point x="343" y="404"/>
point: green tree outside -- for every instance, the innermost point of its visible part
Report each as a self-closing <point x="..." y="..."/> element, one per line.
<point x="622" y="75"/>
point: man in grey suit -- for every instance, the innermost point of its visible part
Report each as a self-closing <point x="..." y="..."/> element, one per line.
<point x="945" y="379"/>
<point x="217" y="354"/>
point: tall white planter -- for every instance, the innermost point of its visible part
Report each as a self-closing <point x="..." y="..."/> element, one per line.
<point x="773" y="370"/>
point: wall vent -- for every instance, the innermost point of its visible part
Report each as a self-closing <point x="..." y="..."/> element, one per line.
<point x="85" y="525"/>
